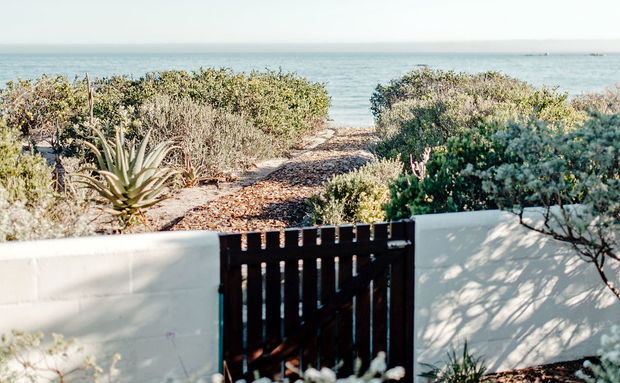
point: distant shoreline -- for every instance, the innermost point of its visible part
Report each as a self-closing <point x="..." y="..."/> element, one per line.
<point x="448" y="47"/>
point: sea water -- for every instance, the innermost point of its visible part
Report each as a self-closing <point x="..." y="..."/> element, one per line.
<point x="350" y="78"/>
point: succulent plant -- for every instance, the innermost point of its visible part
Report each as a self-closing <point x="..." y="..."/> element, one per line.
<point x="130" y="180"/>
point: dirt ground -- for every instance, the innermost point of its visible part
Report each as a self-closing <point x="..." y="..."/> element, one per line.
<point x="278" y="200"/>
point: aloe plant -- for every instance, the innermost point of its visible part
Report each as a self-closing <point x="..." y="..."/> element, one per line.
<point x="130" y="180"/>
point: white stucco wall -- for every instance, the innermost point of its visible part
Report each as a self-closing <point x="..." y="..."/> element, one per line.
<point x="518" y="297"/>
<point x="150" y="297"/>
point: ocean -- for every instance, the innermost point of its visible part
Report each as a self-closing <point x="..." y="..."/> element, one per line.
<point x="350" y="77"/>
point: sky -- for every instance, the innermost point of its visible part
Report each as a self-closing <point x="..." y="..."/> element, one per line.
<point x="304" y="21"/>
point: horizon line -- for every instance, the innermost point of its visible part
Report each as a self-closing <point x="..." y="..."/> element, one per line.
<point x="453" y="46"/>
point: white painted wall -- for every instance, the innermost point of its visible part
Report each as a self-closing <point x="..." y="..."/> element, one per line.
<point x="518" y="297"/>
<point x="150" y="297"/>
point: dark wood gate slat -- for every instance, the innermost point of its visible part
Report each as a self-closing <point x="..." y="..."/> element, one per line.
<point x="353" y="319"/>
<point x="233" y="311"/>
<point x="409" y="301"/>
<point x="345" y="321"/>
<point x="328" y="287"/>
<point x="254" y="302"/>
<point x="379" y="297"/>
<point x="397" y="298"/>
<point x="272" y="286"/>
<point x="272" y="301"/>
<point x="362" y="305"/>
<point x="291" y="289"/>
<point x="309" y="291"/>
<point x="327" y="313"/>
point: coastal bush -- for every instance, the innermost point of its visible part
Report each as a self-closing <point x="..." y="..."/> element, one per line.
<point x="282" y="105"/>
<point x="24" y="358"/>
<point x="450" y="182"/>
<point x="34" y="106"/>
<point x="23" y="176"/>
<point x="52" y="217"/>
<point x="357" y="196"/>
<point x="554" y="172"/>
<point x="426" y="107"/>
<point x="29" y="207"/>
<point x="608" y="370"/>
<point x="213" y="141"/>
<point x="606" y="102"/>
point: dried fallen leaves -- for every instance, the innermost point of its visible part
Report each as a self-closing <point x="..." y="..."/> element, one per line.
<point x="278" y="201"/>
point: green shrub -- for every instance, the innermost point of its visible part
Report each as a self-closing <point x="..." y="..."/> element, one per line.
<point x="607" y="102"/>
<point x="425" y="108"/>
<point x="34" y="106"/>
<point x="282" y="105"/>
<point x="29" y="207"/>
<point x="451" y="183"/>
<point x="214" y="141"/>
<point x="23" y="176"/>
<point x="357" y="196"/>
<point x="458" y="369"/>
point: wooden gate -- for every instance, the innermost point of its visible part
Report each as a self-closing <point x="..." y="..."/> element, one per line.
<point x="317" y="297"/>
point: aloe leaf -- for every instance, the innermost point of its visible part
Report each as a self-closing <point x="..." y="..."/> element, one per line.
<point x="142" y="150"/>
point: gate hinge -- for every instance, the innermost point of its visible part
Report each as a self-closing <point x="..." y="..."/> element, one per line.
<point x="399" y="244"/>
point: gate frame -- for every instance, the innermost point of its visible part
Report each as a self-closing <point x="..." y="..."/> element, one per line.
<point x="232" y="255"/>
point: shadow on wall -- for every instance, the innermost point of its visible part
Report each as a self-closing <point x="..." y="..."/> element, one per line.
<point x="518" y="297"/>
<point x="150" y="297"/>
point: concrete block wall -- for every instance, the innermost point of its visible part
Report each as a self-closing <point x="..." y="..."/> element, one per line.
<point x="150" y="297"/>
<point x="518" y="297"/>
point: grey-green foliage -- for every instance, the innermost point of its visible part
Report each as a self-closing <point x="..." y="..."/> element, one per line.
<point x="29" y="357"/>
<point x="51" y="217"/>
<point x="463" y="368"/>
<point x="426" y="107"/>
<point x="555" y="171"/>
<point x="215" y="141"/>
<point x="23" y="176"/>
<point x="29" y="207"/>
<point x="357" y="196"/>
<point x="608" y="370"/>
<point x="283" y="105"/>
<point x="606" y="102"/>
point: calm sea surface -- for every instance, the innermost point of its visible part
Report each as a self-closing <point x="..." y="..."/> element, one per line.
<point x="350" y="77"/>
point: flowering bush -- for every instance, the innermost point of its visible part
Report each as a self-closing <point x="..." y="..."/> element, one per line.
<point x="608" y="371"/>
<point x="557" y="171"/>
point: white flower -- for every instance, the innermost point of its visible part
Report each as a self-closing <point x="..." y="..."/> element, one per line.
<point x="378" y="364"/>
<point x="217" y="378"/>
<point x="612" y="356"/>
<point x="395" y="373"/>
<point x="312" y="374"/>
<point x="328" y="375"/>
